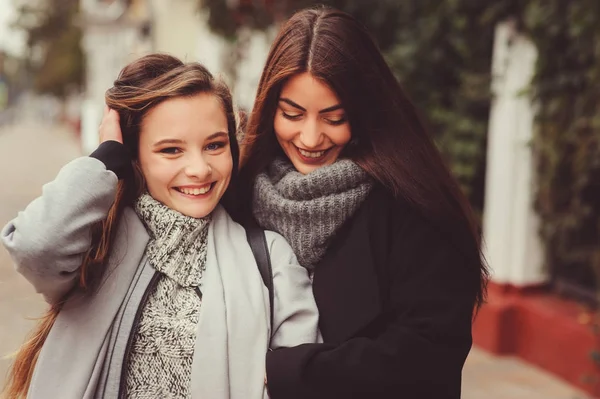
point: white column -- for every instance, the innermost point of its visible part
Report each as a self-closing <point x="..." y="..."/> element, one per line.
<point x="250" y="68"/>
<point x="212" y="51"/>
<point x="108" y="45"/>
<point x="107" y="48"/>
<point x="176" y="27"/>
<point x="210" y="48"/>
<point x="513" y="247"/>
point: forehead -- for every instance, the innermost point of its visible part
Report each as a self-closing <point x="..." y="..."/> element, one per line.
<point x="308" y="91"/>
<point x="198" y="115"/>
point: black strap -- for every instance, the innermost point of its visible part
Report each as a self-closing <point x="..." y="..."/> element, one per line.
<point x="258" y="243"/>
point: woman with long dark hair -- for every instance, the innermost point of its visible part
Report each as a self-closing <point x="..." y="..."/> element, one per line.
<point x="336" y="159"/>
<point x="154" y="289"/>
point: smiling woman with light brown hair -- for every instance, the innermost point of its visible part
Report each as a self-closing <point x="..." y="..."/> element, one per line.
<point x="154" y="290"/>
<point x="336" y="159"/>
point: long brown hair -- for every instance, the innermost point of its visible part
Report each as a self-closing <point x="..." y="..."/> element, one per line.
<point x="389" y="140"/>
<point x="141" y="85"/>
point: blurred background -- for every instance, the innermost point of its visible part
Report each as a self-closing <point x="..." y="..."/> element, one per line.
<point x="510" y="90"/>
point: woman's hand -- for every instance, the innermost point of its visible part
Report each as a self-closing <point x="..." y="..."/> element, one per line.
<point x="110" y="129"/>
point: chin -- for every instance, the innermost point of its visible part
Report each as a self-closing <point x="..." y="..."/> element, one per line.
<point x="196" y="213"/>
<point x="200" y="214"/>
<point x="306" y="168"/>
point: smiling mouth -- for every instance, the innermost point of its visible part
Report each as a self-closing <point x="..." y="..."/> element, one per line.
<point x="196" y="191"/>
<point x="313" y="155"/>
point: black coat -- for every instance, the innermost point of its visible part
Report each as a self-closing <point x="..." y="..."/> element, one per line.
<point x="396" y="300"/>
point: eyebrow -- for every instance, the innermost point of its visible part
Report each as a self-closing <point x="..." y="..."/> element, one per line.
<point x="218" y="134"/>
<point x="168" y="141"/>
<point x="323" y="111"/>
<point x="178" y="141"/>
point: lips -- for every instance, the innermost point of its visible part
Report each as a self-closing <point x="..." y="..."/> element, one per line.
<point x="312" y="156"/>
<point x="195" y="191"/>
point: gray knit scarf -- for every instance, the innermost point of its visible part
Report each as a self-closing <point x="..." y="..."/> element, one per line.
<point x="160" y="362"/>
<point x="178" y="242"/>
<point x="309" y="209"/>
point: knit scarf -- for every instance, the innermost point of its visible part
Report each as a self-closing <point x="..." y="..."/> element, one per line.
<point x="178" y="242"/>
<point x="309" y="209"/>
<point x="160" y="362"/>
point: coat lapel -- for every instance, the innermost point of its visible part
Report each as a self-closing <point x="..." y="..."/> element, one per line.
<point x="233" y="329"/>
<point x="345" y="282"/>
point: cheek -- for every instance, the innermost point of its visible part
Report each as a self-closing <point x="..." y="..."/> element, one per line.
<point x="146" y="172"/>
<point x="341" y="136"/>
<point x="145" y="163"/>
<point x="284" y="129"/>
<point x="224" y="165"/>
<point x="157" y="174"/>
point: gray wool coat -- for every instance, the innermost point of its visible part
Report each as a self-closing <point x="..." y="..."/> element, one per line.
<point x="83" y="356"/>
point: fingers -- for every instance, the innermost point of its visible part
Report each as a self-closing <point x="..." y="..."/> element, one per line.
<point x="110" y="128"/>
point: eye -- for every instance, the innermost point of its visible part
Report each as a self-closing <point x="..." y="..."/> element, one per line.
<point x="336" y="121"/>
<point x="292" y="117"/>
<point x="215" y="146"/>
<point x="170" y="150"/>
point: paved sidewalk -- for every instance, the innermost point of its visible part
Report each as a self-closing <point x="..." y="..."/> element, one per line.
<point x="32" y="154"/>
<point x="491" y="377"/>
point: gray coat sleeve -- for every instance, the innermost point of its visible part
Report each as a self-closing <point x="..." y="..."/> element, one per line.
<point x="47" y="240"/>
<point x="295" y="316"/>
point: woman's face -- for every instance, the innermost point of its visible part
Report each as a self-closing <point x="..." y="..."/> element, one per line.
<point x="185" y="154"/>
<point x="310" y="123"/>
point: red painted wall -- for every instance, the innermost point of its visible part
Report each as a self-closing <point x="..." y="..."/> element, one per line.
<point x="555" y="334"/>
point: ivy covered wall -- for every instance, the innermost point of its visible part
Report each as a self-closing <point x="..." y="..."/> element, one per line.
<point x="567" y="142"/>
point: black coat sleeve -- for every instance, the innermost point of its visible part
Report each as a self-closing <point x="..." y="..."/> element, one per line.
<point x="420" y="350"/>
<point x="115" y="157"/>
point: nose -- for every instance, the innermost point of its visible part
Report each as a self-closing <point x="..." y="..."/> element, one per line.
<point x="311" y="135"/>
<point x="198" y="167"/>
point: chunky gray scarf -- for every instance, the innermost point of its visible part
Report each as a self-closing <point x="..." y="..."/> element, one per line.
<point x="309" y="209"/>
<point x="178" y="242"/>
<point x="160" y="363"/>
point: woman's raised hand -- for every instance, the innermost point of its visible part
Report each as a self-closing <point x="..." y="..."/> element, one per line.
<point x="110" y="129"/>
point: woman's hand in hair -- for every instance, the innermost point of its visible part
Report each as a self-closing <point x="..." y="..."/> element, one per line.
<point x="110" y="129"/>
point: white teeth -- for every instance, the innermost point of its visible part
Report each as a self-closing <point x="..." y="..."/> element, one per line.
<point x="312" y="154"/>
<point x="195" y="191"/>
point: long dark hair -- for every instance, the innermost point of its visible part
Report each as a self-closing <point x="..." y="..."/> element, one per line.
<point x="389" y="140"/>
<point x="141" y="85"/>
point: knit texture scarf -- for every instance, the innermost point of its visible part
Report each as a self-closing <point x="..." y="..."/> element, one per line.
<point x="309" y="209"/>
<point x="163" y="348"/>
<point x="178" y="242"/>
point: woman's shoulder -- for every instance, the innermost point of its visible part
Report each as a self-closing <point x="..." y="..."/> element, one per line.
<point x="279" y="248"/>
<point x="401" y="221"/>
<point x="383" y="206"/>
<point x="277" y="245"/>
